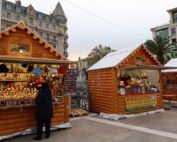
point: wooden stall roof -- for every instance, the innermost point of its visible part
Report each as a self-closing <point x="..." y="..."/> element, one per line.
<point x="21" y="25"/>
<point x="116" y="58"/>
<point x="173" y="64"/>
<point x="34" y="60"/>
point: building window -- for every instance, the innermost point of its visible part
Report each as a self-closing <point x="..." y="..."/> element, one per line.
<point x="47" y="25"/>
<point x="47" y="19"/>
<point x="18" y="9"/>
<point x="2" y="28"/>
<point x="175" y="17"/>
<point x="53" y="20"/>
<point x="54" y="38"/>
<point x="173" y="31"/>
<point x="40" y="23"/>
<point x="54" y="27"/>
<point x="9" y="6"/>
<point x="174" y="40"/>
<point x="162" y="33"/>
<point x="65" y="51"/>
<point x="4" y="15"/>
<point x="8" y="25"/>
<point x="30" y="12"/>
<point x="30" y="20"/>
<point x="40" y="16"/>
<point x="47" y="37"/>
<point x="40" y="33"/>
<point x="17" y="18"/>
<point x="8" y="15"/>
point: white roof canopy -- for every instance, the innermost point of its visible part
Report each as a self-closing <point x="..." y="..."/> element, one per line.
<point x="111" y="59"/>
<point x="171" y="63"/>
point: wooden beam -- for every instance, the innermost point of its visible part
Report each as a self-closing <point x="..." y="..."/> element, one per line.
<point x="34" y="36"/>
<point x="41" y="41"/>
<point x="13" y="30"/>
<point x="22" y="26"/>
<point x="51" y="50"/>
<point x="29" y="32"/>
<point x="6" y="33"/>
<point x="46" y="46"/>
<point x="56" y="54"/>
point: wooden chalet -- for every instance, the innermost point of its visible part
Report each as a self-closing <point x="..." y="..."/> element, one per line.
<point x="169" y="77"/>
<point x="126" y="82"/>
<point x="19" y="44"/>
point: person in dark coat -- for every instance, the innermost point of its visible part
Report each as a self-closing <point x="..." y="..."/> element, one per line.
<point x="43" y="110"/>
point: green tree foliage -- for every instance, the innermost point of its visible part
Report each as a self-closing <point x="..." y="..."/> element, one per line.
<point x="97" y="53"/>
<point x="163" y="48"/>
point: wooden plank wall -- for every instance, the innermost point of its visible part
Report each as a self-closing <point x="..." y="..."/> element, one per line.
<point x="169" y="91"/>
<point x="21" y="36"/>
<point x="16" y="119"/>
<point x="103" y="88"/>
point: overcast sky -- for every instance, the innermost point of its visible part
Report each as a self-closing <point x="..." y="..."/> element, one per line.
<point x="127" y="24"/>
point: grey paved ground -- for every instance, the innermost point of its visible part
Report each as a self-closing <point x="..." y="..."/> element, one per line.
<point x="89" y="131"/>
<point x="166" y="121"/>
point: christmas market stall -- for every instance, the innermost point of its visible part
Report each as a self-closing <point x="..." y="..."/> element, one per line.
<point x="169" y="78"/>
<point x="24" y="56"/>
<point x="126" y="82"/>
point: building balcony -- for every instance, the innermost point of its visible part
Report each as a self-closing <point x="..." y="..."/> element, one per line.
<point x="65" y="44"/>
<point x="47" y="29"/>
<point x="9" y="19"/>
<point x="52" y="41"/>
<point x="31" y="24"/>
<point x="60" y="33"/>
<point x="66" y="54"/>
<point x="66" y="35"/>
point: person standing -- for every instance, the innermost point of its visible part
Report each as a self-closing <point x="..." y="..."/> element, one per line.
<point x="43" y="109"/>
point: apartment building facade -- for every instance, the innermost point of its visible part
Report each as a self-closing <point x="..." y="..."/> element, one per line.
<point x="168" y="29"/>
<point x="51" y="27"/>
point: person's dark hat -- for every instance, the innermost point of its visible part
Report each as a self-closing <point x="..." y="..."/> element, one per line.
<point x="24" y="65"/>
<point x="30" y="68"/>
<point x="3" y="68"/>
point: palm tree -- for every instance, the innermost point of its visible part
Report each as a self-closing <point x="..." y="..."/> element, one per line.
<point x="163" y="48"/>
